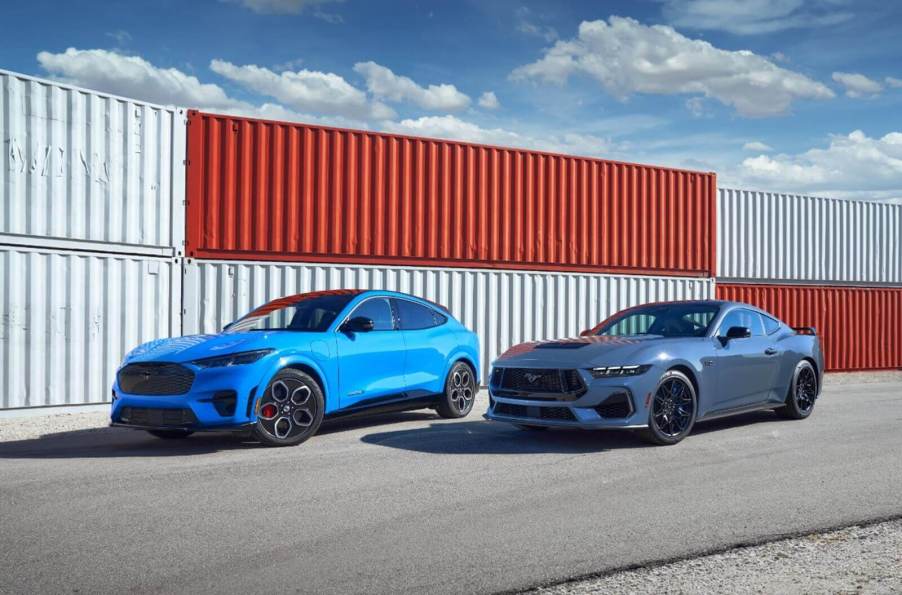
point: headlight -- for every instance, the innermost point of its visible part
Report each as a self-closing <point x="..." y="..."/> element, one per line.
<point x="232" y="359"/>
<point x="612" y="371"/>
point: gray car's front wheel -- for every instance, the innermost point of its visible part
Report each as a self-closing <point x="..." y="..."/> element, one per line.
<point x="672" y="411"/>
<point x="802" y="392"/>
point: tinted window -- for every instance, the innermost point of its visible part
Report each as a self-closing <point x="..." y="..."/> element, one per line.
<point x="770" y="325"/>
<point x="416" y="316"/>
<point x="379" y="311"/>
<point x="740" y="317"/>
<point x="309" y="314"/>
<point x="666" y="320"/>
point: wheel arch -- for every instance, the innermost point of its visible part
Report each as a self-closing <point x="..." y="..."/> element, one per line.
<point x="301" y="365"/>
<point x="817" y="371"/>
<point x="691" y="375"/>
<point x="467" y="359"/>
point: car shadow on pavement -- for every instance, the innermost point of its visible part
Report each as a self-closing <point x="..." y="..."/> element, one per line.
<point x="483" y="437"/>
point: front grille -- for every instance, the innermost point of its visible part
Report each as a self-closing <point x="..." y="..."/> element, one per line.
<point x="560" y="413"/>
<point x="155" y="379"/>
<point x="155" y="417"/>
<point x="617" y="405"/>
<point x="538" y="380"/>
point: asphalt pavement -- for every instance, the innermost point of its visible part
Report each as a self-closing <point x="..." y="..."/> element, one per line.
<point x="412" y="503"/>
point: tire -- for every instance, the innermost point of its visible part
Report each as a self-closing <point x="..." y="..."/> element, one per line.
<point x="530" y="428"/>
<point x="802" y="394"/>
<point x="170" y="434"/>
<point x="290" y="410"/>
<point x="460" y="392"/>
<point x="670" y="418"/>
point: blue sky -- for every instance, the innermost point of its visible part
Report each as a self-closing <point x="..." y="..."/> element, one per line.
<point x="791" y="95"/>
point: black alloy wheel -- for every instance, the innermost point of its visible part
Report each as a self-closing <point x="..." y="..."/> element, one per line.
<point x="802" y="392"/>
<point x="290" y="410"/>
<point x="672" y="411"/>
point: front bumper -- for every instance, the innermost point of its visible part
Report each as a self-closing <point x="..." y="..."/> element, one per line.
<point x="219" y="399"/>
<point x="589" y="411"/>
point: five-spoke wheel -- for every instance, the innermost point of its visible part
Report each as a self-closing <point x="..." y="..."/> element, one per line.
<point x="290" y="410"/>
<point x="460" y="392"/>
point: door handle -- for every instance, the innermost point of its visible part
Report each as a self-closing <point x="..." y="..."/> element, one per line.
<point x="770" y="351"/>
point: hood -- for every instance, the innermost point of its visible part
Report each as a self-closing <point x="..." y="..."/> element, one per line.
<point x="586" y="351"/>
<point x="192" y="347"/>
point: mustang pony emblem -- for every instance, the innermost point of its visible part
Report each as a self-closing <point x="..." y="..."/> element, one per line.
<point x="531" y="378"/>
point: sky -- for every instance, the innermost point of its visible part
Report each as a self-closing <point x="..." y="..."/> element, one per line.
<point x="800" y="96"/>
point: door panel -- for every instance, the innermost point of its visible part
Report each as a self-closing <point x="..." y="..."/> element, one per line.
<point x="371" y="364"/>
<point x="428" y="345"/>
<point x="746" y="368"/>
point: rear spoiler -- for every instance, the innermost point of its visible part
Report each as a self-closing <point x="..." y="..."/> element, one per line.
<point x="804" y="330"/>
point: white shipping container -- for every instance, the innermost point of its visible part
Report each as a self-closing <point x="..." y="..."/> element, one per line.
<point x="81" y="166"/>
<point x="68" y="318"/>
<point x="765" y="236"/>
<point x="503" y="307"/>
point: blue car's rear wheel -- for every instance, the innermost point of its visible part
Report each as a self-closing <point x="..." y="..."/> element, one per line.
<point x="290" y="410"/>
<point x="460" y="392"/>
<point x="672" y="409"/>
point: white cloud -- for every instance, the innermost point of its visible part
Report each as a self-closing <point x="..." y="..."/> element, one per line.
<point x="525" y="24"/>
<point x="281" y="6"/>
<point x="749" y="17"/>
<point x="451" y="127"/>
<point x="132" y="76"/>
<point x="305" y="90"/>
<point x="488" y="100"/>
<point x="383" y="83"/>
<point x="120" y="36"/>
<point x="893" y="82"/>
<point x="756" y="145"/>
<point x="627" y="57"/>
<point x="853" y="165"/>
<point x="857" y="85"/>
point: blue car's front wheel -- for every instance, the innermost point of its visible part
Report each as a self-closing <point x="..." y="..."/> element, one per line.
<point x="290" y="410"/>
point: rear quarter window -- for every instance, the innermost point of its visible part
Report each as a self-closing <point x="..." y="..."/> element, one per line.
<point x="770" y="325"/>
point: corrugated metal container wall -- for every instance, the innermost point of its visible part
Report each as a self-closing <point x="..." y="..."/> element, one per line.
<point x="264" y="190"/>
<point x="80" y="166"/>
<point x="69" y="317"/>
<point x="786" y="237"/>
<point x="503" y="307"/>
<point x="860" y="327"/>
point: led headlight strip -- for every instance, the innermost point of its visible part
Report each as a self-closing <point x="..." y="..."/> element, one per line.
<point x="617" y="371"/>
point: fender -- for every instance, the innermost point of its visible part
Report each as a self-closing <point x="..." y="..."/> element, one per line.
<point x="306" y="359"/>
<point x="466" y="355"/>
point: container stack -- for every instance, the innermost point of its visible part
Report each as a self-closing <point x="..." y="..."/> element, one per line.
<point x="832" y="264"/>
<point x="519" y="245"/>
<point x="90" y="232"/>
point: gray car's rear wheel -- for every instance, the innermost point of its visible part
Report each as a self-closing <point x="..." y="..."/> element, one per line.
<point x="802" y="392"/>
<point x="672" y="411"/>
<point x="290" y="410"/>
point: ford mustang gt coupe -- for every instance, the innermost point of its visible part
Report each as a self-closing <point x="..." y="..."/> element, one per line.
<point x="658" y="369"/>
<point x="284" y="367"/>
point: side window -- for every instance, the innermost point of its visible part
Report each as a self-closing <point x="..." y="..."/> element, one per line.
<point x="770" y="325"/>
<point x="414" y="316"/>
<point x="379" y="310"/>
<point x="740" y="317"/>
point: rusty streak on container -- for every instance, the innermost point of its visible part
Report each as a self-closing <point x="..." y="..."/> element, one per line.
<point x="262" y="190"/>
<point x="860" y="327"/>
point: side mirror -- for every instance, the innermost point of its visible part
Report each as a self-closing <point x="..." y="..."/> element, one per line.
<point x="359" y="324"/>
<point x="739" y="332"/>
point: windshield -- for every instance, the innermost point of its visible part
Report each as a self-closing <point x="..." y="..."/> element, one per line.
<point x="666" y="320"/>
<point x="307" y="312"/>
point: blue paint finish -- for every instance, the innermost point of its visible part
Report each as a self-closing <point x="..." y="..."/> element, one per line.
<point x="355" y="368"/>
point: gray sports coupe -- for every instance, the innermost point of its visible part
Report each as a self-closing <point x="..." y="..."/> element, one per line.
<point x="658" y="369"/>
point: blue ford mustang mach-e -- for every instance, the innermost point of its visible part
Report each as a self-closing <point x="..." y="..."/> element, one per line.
<point x="284" y="367"/>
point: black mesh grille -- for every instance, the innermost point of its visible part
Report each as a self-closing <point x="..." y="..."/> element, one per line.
<point x="562" y="413"/>
<point x="155" y="379"/>
<point x="147" y="416"/>
<point x="616" y="406"/>
<point x="532" y="380"/>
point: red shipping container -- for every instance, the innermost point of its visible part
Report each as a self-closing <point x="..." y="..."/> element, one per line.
<point x="265" y="190"/>
<point x="860" y="327"/>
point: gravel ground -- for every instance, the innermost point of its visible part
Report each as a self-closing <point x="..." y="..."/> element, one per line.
<point x="853" y="560"/>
